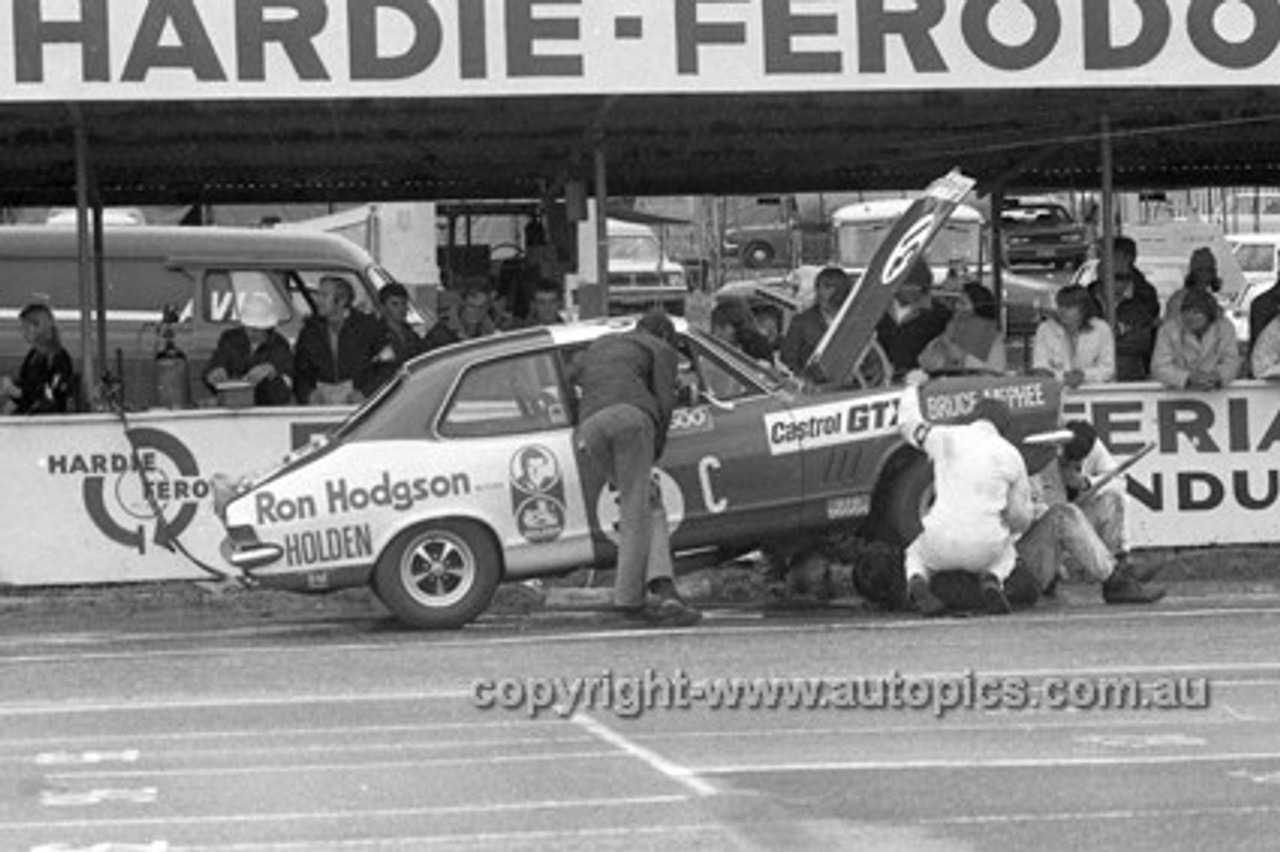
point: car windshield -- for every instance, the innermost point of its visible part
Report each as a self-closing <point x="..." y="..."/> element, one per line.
<point x="635" y="249"/>
<point x="1036" y="217"/>
<point x="757" y="373"/>
<point x="1254" y="257"/>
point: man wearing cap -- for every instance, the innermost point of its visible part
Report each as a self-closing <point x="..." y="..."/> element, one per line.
<point x="1200" y="351"/>
<point x="983" y="502"/>
<point x="255" y="352"/>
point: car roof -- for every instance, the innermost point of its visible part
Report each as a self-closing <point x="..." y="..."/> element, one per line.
<point x="1255" y="239"/>
<point x="885" y="208"/>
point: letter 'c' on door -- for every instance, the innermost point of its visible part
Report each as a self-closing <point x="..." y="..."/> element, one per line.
<point x="706" y="465"/>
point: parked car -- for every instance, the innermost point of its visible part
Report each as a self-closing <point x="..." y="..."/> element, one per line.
<point x="641" y="275"/>
<point x="1037" y="231"/>
<point x="463" y="472"/>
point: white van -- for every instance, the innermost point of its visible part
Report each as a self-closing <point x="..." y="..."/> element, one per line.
<point x="199" y="276"/>
<point x="641" y="276"/>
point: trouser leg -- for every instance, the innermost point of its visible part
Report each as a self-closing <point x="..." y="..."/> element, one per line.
<point x="1105" y="512"/>
<point x="1063" y="531"/>
<point x="633" y="464"/>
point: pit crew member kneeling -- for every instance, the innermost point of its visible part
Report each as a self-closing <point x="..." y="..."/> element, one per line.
<point x="982" y="504"/>
<point x="1078" y="525"/>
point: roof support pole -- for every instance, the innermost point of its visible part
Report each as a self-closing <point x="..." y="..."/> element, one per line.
<point x="997" y="254"/>
<point x="602" y="221"/>
<point x="88" y="367"/>
<point x="1105" y="265"/>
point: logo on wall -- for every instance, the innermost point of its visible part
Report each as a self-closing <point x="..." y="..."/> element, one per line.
<point x="158" y="486"/>
<point x="537" y="494"/>
<point x="608" y="510"/>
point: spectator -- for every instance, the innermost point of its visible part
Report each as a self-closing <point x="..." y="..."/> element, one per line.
<point x="46" y="379"/>
<point x="1202" y="274"/>
<point x="769" y="322"/>
<point x="403" y="342"/>
<point x="1137" y="312"/>
<point x="546" y="305"/>
<point x="972" y="340"/>
<point x="1264" y="308"/>
<point x="464" y="316"/>
<point x="831" y="287"/>
<point x="1074" y="346"/>
<point x="1265" y="356"/>
<point x="1199" y="352"/>
<point x="335" y="358"/>
<point x="732" y="323"/>
<point x="912" y="321"/>
<point x="983" y="503"/>
<point x="628" y="384"/>
<point x="255" y="352"/>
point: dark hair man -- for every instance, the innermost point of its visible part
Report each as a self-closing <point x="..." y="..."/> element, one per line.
<point x="628" y="384"/>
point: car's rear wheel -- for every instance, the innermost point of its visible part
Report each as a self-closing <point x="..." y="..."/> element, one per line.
<point x="757" y="254"/>
<point x="438" y="575"/>
<point x="908" y="500"/>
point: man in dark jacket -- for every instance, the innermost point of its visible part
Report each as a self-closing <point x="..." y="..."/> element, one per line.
<point x="830" y="288"/>
<point x="1137" y="312"/>
<point x="628" y="384"/>
<point x="912" y="321"/>
<point x="335" y="358"/>
<point x="254" y="352"/>
<point x="403" y="341"/>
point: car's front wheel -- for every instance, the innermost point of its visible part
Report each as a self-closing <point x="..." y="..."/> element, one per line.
<point x="438" y="575"/>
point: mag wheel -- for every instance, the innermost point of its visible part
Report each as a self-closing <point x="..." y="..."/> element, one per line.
<point x="438" y="575"/>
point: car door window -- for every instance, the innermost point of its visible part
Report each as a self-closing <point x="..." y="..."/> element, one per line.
<point x="507" y="397"/>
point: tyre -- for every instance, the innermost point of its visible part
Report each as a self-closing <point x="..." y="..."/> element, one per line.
<point x="757" y="254"/>
<point x="438" y="575"/>
<point x="907" y="500"/>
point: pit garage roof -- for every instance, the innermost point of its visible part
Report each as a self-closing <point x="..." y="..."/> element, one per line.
<point x="149" y="152"/>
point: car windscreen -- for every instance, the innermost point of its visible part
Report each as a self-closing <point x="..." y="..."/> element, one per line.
<point x="635" y="249"/>
<point x="1254" y="257"/>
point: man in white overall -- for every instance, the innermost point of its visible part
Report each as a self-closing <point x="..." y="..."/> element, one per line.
<point x="983" y="502"/>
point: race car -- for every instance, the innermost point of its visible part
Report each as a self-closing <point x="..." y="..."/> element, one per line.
<point x="463" y="472"/>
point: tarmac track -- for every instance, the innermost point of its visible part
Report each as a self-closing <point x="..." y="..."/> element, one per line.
<point x="346" y="735"/>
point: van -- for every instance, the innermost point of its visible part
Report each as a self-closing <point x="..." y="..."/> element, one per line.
<point x="641" y="275"/>
<point x="186" y="281"/>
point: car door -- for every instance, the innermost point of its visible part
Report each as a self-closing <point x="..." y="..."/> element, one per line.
<point x="722" y="488"/>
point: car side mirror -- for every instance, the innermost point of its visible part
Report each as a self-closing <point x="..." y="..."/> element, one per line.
<point x="687" y="396"/>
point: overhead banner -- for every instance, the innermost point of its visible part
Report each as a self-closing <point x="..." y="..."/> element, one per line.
<point x="69" y="50"/>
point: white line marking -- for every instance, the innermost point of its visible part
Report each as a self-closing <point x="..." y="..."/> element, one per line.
<point x="505" y="839"/>
<point x="301" y="768"/>
<point x="980" y="763"/>
<point x="1085" y="816"/>
<point x="790" y="627"/>
<point x="346" y="731"/>
<point x="669" y="768"/>
<point x="126" y="706"/>
<point x="346" y="815"/>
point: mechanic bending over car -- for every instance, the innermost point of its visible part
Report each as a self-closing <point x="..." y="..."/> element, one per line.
<point x="628" y="394"/>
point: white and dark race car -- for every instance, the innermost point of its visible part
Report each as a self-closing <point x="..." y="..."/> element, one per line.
<point x="463" y="473"/>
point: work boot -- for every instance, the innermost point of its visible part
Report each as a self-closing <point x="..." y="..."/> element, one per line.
<point x="926" y="602"/>
<point x="992" y="593"/>
<point x="1123" y="588"/>
<point x="1142" y="573"/>
<point x="664" y="588"/>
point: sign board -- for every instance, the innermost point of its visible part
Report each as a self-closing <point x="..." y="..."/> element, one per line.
<point x="76" y="512"/>
<point x="55" y="50"/>
<point x="1214" y="477"/>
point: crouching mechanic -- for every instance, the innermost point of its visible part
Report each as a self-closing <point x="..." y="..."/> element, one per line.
<point x="1078" y="527"/>
<point x="982" y="503"/>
